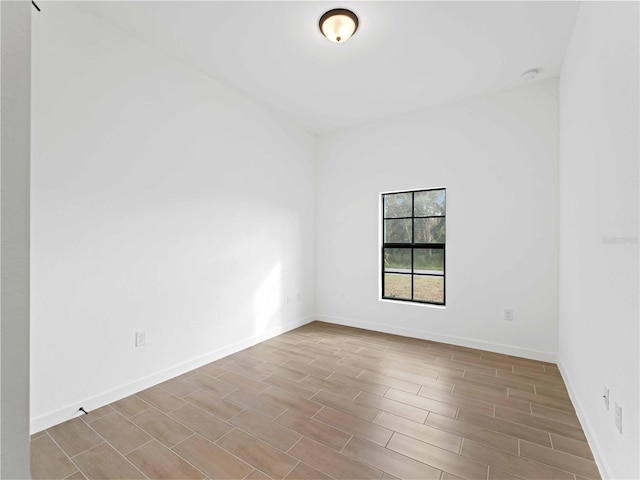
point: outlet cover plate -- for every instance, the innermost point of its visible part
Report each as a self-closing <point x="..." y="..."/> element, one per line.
<point x="619" y="418"/>
<point x="141" y="339"/>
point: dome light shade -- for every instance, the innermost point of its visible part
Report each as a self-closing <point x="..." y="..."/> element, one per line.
<point x="338" y="25"/>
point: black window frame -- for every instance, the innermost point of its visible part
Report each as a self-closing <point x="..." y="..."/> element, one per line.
<point x="411" y="246"/>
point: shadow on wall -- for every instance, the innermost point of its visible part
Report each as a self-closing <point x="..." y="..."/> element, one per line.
<point x="267" y="301"/>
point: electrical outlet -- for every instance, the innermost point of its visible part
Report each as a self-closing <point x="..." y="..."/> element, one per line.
<point x="619" y="417"/>
<point x="341" y="295"/>
<point x="288" y="300"/>
<point x="141" y="338"/>
<point x="508" y="315"/>
<point x="605" y="397"/>
<point x="298" y="297"/>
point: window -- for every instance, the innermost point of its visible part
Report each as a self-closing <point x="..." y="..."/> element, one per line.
<point x="413" y="246"/>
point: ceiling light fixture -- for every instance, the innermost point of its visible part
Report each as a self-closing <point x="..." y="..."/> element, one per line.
<point x="338" y="25"/>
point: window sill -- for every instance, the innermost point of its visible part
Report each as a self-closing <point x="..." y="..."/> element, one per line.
<point x="418" y="304"/>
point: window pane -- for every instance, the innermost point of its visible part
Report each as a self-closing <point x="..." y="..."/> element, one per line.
<point x="397" y="231"/>
<point x="429" y="230"/>
<point x="397" y="260"/>
<point x="428" y="289"/>
<point x="428" y="260"/>
<point x="397" y="286"/>
<point x="431" y="202"/>
<point x="397" y="205"/>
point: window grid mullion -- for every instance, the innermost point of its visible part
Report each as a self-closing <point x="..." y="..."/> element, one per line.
<point x="413" y="238"/>
<point x="414" y="216"/>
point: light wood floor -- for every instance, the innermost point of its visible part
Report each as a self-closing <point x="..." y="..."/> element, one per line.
<point x="325" y="401"/>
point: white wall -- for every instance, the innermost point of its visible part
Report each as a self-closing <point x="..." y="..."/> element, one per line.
<point x="598" y="327"/>
<point x="497" y="155"/>
<point x="161" y="201"/>
<point x="15" y="67"/>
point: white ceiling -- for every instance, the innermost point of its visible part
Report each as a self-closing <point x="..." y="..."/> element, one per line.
<point x="404" y="57"/>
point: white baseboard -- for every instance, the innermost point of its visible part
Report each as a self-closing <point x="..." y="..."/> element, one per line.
<point x="592" y="438"/>
<point x="67" y="413"/>
<point x="438" y="337"/>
